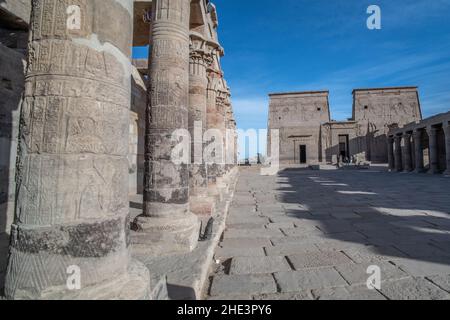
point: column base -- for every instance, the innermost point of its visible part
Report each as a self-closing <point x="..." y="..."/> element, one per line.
<point x="421" y="170"/>
<point x="214" y="192"/>
<point x="446" y="173"/>
<point x="134" y="285"/>
<point x="202" y="205"/>
<point x="433" y="171"/>
<point x="165" y="235"/>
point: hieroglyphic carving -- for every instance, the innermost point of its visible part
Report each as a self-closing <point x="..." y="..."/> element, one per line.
<point x="66" y="58"/>
<point x="72" y="169"/>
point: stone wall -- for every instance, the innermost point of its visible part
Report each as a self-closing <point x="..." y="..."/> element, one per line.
<point x="137" y="130"/>
<point x="378" y="110"/>
<point x="299" y="117"/>
<point x="331" y="132"/>
<point x="11" y="89"/>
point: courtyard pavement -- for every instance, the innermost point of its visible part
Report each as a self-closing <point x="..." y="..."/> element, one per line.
<point x="313" y="234"/>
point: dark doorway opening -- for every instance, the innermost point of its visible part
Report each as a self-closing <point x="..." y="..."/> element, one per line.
<point x="302" y="154"/>
<point x="344" y="152"/>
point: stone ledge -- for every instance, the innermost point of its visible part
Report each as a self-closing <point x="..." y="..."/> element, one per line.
<point x="187" y="274"/>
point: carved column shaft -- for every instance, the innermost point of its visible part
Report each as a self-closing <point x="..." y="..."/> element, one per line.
<point x="398" y="153"/>
<point x="213" y="169"/>
<point x="198" y="83"/>
<point x="167" y="224"/>
<point x="200" y="56"/>
<point x="391" y="158"/>
<point x="418" y="151"/>
<point x="72" y="194"/>
<point x="407" y="152"/>
<point x="433" y="150"/>
<point x="221" y="105"/>
<point x="446" y="128"/>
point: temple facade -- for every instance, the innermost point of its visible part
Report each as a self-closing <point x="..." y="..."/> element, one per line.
<point x="91" y="129"/>
<point x="308" y="136"/>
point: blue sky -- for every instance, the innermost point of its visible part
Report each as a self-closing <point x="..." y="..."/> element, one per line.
<point x="293" y="45"/>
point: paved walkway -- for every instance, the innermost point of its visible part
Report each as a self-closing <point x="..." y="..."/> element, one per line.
<point x="313" y="234"/>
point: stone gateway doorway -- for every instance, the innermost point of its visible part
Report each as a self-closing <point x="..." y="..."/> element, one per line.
<point x="302" y="154"/>
<point x="343" y="146"/>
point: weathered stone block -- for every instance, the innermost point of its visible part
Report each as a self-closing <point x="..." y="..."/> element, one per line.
<point x="318" y="259"/>
<point x="258" y="265"/>
<point x="356" y="274"/>
<point x="348" y="293"/>
<point x="252" y="233"/>
<point x="245" y="242"/>
<point x="243" y="284"/>
<point x="296" y="281"/>
<point x="230" y="252"/>
<point x="413" y="289"/>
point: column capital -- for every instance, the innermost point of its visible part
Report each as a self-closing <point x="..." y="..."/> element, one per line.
<point x="417" y="133"/>
<point x="432" y="130"/>
<point x="446" y="125"/>
<point x="407" y="135"/>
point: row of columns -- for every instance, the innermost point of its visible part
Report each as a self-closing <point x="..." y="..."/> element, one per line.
<point x="403" y="158"/>
<point x="72" y="203"/>
<point x="187" y="91"/>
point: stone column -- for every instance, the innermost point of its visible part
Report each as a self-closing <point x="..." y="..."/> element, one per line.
<point x="200" y="202"/>
<point x="213" y="169"/>
<point x="166" y="224"/>
<point x="398" y="153"/>
<point x="230" y="139"/>
<point x="391" y="158"/>
<point x="407" y="153"/>
<point x="72" y="181"/>
<point x="220" y="125"/>
<point x="433" y="150"/>
<point x="418" y="151"/>
<point x="446" y="127"/>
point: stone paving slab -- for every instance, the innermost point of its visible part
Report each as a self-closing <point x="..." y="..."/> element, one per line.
<point x="418" y="268"/>
<point x="225" y="285"/>
<point x="252" y="233"/>
<point x="294" y="221"/>
<point x="422" y="250"/>
<point x="442" y="281"/>
<point x="297" y="281"/>
<point x="259" y="265"/>
<point x="300" y="296"/>
<point x="356" y="274"/>
<point x="281" y="225"/>
<point x="245" y="243"/>
<point x="290" y="249"/>
<point x="230" y="252"/>
<point x="365" y="254"/>
<point x="247" y="225"/>
<point x="242" y="297"/>
<point x="318" y="259"/>
<point x="413" y="289"/>
<point x="254" y="219"/>
<point x="347" y="293"/>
